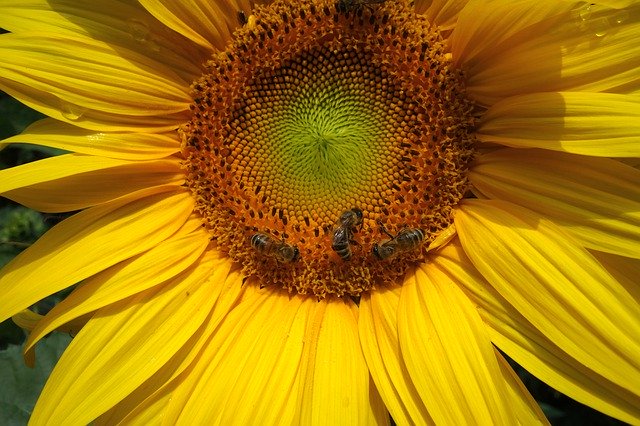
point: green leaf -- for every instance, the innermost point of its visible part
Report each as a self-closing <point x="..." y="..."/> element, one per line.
<point x="21" y="385"/>
<point x="15" y="116"/>
<point x="19" y="228"/>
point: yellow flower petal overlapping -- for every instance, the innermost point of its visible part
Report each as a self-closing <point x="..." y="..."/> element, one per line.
<point x="544" y="266"/>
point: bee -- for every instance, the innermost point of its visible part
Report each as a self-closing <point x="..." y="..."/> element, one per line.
<point x="343" y="233"/>
<point x="406" y="240"/>
<point x="270" y="247"/>
<point x="346" y="6"/>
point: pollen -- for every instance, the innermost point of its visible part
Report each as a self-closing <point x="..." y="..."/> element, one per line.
<point x="314" y="113"/>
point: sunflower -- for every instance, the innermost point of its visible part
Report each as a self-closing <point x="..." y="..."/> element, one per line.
<point x="329" y="211"/>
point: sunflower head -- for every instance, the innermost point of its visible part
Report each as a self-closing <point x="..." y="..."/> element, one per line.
<point x="317" y="109"/>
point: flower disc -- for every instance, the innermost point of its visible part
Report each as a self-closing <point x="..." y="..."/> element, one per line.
<point x="314" y="110"/>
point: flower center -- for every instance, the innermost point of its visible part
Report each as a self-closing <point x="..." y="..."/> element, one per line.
<point x="329" y="144"/>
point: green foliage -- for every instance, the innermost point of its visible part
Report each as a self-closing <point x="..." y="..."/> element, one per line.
<point x="559" y="409"/>
<point x="19" y="228"/>
<point x="21" y="385"/>
<point x="15" y="117"/>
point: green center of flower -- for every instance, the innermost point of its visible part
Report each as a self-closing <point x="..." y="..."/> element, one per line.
<point x="327" y="146"/>
<point x="318" y="142"/>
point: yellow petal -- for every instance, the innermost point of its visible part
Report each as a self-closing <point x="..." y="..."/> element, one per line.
<point x="74" y="182"/>
<point x="262" y="360"/>
<point x="90" y="84"/>
<point x="29" y="320"/>
<point x="161" y="263"/>
<point x="481" y="32"/>
<point x="206" y="23"/>
<point x="526" y="408"/>
<point x="378" y="326"/>
<point x="557" y="285"/>
<point x="153" y="416"/>
<point x="442" y="238"/>
<point x="519" y="339"/>
<point x="270" y="368"/>
<point x="154" y="396"/>
<point x="128" y="415"/>
<point x="421" y="5"/>
<point x="443" y="13"/>
<point x="88" y="243"/>
<point x="26" y="319"/>
<point x="632" y="161"/>
<point x="625" y="270"/>
<point x="334" y="385"/>
<point x="597" y="124"/>
<point x="122" y="346"/>
<point x="592" y="48"/>
<point x="125" y="146"/>
<point x="201" y="396"/>
<point x="377" y="413"/>
<point x="596" y="199"/>
<point x="616" y="4"/>
<point x="448" y="353"/>
<point x="124" y="24"/>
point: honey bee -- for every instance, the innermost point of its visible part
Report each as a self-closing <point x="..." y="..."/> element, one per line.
<point x="345" y="6"/>
<point x="343" y="233"/>
<point x="406" y="240"/>
<point x="279" y="250"/>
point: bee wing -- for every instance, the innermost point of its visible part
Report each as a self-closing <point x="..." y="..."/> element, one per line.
<point x="340" y="233"/>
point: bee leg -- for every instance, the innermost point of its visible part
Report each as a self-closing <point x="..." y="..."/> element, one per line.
<point x="384" y="229"/>
<point x="263" y="285"/>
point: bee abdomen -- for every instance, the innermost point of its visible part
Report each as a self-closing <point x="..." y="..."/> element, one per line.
<point x="259" y="241"/>
<point x="406" y="240"/>
<point x="411" y="237"/>
<point x="342" y="249"/>
<point x="341" y="243"/>
<point x="278" y="250"/>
